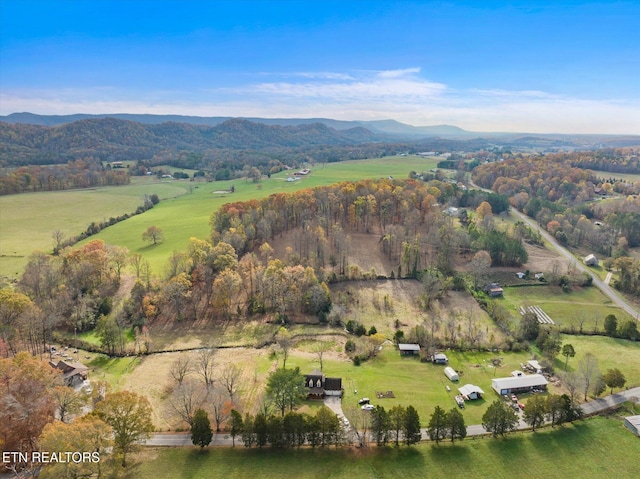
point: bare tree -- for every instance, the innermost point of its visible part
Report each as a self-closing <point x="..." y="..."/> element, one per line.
<point x="204" y="365"/>
<point x="220" y="404"/>
<point x="319" y="349"/>
<point x="179" y="369"/>
<point x="230" y="378"/>
<point x="573" y="383"/>
<point x="283" y="338"/>
<point x="589" y="372"/>
<point x="187" y="398"/>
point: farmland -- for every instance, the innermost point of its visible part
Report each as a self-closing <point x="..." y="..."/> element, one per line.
<point x="595" y="448"/>
<point x="27" y="220"/>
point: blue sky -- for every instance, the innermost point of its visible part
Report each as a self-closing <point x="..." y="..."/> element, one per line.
<point x="569" y="67"/>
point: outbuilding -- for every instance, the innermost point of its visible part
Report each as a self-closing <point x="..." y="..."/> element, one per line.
<point x="451" y="373"/>
<point x="632" y="423"/>
<point x="408" y="349"/>
<point x="519" y="384"/>
<point x="439" y="358"/>
<point x="470" y="392"/>
<point x="591" y="260"/>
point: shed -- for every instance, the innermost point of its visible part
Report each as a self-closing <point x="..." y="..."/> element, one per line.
<point x="470" y="391"/>
<point x="408" y="349"/>
<point x="494" y="290"/>
<point x="591" y="260"/>
<point x="451" y="373"/>
<point x="632" y="423"/>
<point x="439" y="358"/>
<point x="520" y="384"/>
<point x="535" y="365"/>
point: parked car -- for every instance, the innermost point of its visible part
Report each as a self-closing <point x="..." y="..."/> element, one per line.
<point x="368" y="407"/>
<point x="363" y="401"/>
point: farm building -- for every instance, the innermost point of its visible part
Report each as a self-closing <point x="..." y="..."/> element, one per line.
<point x="439" y="358"/>
<point x="451" y="373"/>
<point x="632" y="423"/>
<point x="534" y="365"/>
<point x="318" y="386"/>
<point x="408" y="349"/>
<point x="494" y="290"/>
<point x="519" y="384"/>
<point x="72" y="373"/>
<point x="591" y="260"/>
<point x="470" y="392"/>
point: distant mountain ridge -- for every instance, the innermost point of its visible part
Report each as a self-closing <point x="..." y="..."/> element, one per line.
<point x="388" y="127"/>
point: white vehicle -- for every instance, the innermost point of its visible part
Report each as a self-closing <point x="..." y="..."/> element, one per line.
<point x="368" y="407"/>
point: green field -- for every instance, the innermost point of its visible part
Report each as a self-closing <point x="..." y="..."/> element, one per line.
<point x="422" y="385"/>
<point x="27" y="220"/>
<point x="566" y="309"/>
<point x="594" y="448"/>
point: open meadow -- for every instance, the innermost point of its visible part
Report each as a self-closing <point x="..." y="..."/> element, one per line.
<point x="27" y="220"/>
<point x="590" y="449"/>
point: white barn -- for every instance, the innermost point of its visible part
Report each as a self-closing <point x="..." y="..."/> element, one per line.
<point x="519" y="384"/>
<point x="469" y="391"/>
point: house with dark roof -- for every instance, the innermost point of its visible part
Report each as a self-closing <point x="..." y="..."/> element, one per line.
<point x="318" y="385"/>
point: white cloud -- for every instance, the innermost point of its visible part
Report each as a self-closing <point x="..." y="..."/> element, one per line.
<point x="402" y="95"/>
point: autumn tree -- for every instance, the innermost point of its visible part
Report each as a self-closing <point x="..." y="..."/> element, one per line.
<point x="26" y="404"/>
<point x="129" y="414"/>
<point x="87" y="435"/>
<point x="12" y="306"/>
<point x="153" y="234"/>
<point x="68" y="401"/>
<point x="201" y="433"/>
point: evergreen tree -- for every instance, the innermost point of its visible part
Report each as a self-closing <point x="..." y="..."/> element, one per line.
<point x="237" y="425"/>
<point x="438" y="426"/>
<point x="380" y="425"/>
<point x="499" y="418"/>
<point x="411" y="428"/>
<point x="455" y="425"/>
<point x="201" y="433"/>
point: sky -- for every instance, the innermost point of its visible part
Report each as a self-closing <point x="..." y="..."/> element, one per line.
<point x="521" y="66"/>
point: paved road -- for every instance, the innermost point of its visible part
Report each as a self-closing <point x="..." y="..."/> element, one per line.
<point x="589" y="408"/>
<point x="564" y="252"/>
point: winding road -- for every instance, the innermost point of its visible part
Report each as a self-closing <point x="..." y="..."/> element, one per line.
<point x="565" y="253"/>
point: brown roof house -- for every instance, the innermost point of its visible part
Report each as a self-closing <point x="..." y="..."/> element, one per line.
<point x="72" y="373"/>
<point x="318" y="385"/>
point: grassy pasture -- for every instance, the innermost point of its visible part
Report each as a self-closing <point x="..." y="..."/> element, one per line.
<point x="566" y="309"/>
<point x="594" y="448"/>
<point x="27" y="220"/>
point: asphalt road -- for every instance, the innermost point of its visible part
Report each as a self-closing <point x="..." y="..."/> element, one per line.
<point x="565" y="253"/>
<point x="589" y="408"/>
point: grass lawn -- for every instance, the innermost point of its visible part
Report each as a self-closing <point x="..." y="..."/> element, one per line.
<point x="594" y="448"/>
<point x="610" y="352"/>
<point x="112" y="370"/>
<point x="422" y="385"/>
<point x="566" y="309"/>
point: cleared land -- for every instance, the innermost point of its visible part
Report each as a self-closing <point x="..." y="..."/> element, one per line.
<point x="594" y="448"/>
<point x="586" y="306"/>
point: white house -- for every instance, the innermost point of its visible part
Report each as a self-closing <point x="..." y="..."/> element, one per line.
<point x="519" y="384"/>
